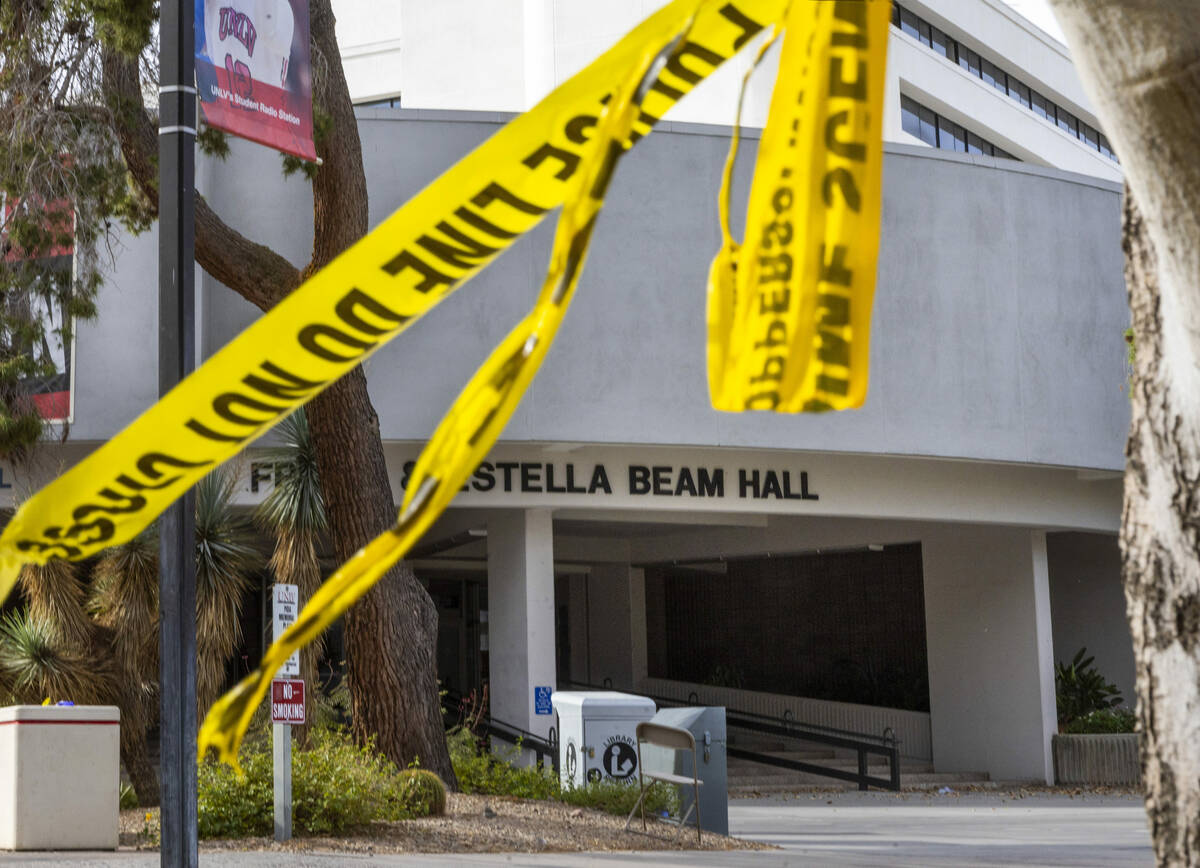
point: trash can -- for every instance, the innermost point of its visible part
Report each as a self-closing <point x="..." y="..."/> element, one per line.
<point x="707" y="726"/>
<point x="597" y="736"/>
<point x="60" y="773"/>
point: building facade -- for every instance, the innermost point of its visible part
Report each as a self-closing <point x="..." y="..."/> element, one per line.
<point x="919" y="563"/>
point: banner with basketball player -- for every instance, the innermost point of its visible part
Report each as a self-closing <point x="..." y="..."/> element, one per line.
<point x="253" y="72"/>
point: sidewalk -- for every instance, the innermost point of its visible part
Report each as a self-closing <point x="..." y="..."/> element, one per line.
<point x="848" y="828"/>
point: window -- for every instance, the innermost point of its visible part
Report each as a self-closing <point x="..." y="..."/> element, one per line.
<point x="968" y="60"/>
<point x="943" y="45"/>
<point x="921" y="30"/>
<point x="993" y="75"/>
<point x="1067" y="121"/>
<point x="976" y="145"/>
<point x="951" y="136"/>
<point x="1042" y="106"/>
<point x="943" y="133"/>
<point x="1018" y="91"/>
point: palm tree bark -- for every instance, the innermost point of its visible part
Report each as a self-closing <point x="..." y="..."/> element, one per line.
<point x="1140" y="62"/>
<point x="390" y="634"/>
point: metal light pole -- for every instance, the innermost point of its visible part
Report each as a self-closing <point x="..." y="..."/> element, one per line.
<point x="176" y="359"/>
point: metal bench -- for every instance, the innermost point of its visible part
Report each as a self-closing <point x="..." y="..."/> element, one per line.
<point x="673" y="738"/>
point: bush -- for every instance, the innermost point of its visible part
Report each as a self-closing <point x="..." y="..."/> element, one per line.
<point x="494" y="774"/>
<point x="336" y="785"/>
<point x="1103" y="720"/>
<point x="1080" y="689"/>
<point x="619" y="797"/>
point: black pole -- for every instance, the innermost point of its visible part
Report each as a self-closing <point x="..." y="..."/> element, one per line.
<point x="176" y="359"/>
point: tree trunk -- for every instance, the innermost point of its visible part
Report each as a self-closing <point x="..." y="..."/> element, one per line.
<point x="392" y="631"/>
<point x="1140" y="61"/>
<point x="390" y="634"/>
<point x="142" y="774"/>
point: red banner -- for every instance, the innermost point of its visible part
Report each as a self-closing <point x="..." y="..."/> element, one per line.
<point x="51" y="393"/>
<point x="253" y="72"/>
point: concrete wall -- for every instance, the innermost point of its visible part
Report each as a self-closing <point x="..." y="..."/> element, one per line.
<point x="1088" y="605"/>
<point x="991" y="679"/>
<point x="998" y="318"/>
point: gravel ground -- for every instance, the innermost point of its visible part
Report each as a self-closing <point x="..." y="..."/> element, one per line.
<point x="472" y="824"/>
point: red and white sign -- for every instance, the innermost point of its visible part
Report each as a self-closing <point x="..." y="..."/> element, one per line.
<point x="253" y="73"/>
<point x="287" y="700"/>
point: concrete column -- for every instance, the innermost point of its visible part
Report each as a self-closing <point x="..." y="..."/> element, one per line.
<point x="990" y="644"/>
<point x="520" y="615"/>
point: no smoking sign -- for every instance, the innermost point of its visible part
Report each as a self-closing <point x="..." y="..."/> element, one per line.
<point x="287" y="701"/>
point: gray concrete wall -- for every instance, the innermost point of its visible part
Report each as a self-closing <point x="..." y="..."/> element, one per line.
<point x="1087" y="604"/>
<point x="997" y="332"/>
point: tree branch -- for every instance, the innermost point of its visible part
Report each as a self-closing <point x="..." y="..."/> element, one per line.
<point x="254" y="271"/>
<point x="340" y="185"/>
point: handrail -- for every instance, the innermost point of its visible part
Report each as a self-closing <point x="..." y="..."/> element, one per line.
<point x="862" y="743"/>
<point x="511" y="733"/>
<point x="885" y="739"/>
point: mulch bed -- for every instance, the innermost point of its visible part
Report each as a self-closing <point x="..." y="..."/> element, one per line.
<point x="472" y="824"/>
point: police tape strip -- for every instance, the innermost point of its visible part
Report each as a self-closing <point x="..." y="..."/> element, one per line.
<point x="789" y="310"/>
<point x="473" y="423"/>
<point x="368" y="295"/>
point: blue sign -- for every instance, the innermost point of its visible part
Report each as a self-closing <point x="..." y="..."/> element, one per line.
<point x="541" y="700"/>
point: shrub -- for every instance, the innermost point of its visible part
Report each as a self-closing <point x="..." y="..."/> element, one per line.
<point x="1103" y="720"/>
<point x="336" y="785"/>
<point x="619" y="797"/>
<point x="495" y="774"/>
<point x="1080" y="689"/>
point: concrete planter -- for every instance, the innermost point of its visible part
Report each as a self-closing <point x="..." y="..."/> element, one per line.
<point x="1097" y="759"/>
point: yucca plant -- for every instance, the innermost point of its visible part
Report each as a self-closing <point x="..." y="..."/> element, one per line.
<point x="225" y="559"/>
<point x="294" y="513"/>
<point x="37" y="663"/>
<point x="56" y="600"/>
<point x="124" y="604"/>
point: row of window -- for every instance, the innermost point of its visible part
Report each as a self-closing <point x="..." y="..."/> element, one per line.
<point x="948" y="47"/>
<point x="940" y="132"/>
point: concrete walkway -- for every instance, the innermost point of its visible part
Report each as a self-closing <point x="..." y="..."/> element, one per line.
<point x="864" y="829"/>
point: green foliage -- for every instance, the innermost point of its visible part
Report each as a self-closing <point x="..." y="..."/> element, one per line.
<point x="35" y="663"/>
<point x="1104" y="720"/>
<point x="322" y="127"/>
<point x="295" y="502"/>
<point x="212" y="142"/>
<point x="424" y="792"/>
<point x="127" y="798"/>
<point x="124" y="24"/>
<point x="336" y="786"/>
<point x="63" y="184"/>
<point x="618" y="797"/>
<point x="1081" y="689"/>
<point x="495" y="774"/>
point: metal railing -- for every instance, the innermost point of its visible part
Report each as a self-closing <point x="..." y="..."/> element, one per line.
<point x="488" y="727"/>
<point x="864" y="745"/>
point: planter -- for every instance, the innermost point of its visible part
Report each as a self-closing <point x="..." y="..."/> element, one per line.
<point x="1097" y="759"/>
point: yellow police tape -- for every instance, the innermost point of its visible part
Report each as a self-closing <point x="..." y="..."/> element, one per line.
<point x="563" y="151"/>
<point x="365" y="297"/>
<point x="789" y="311"/>
<point x="474" y="421"/>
